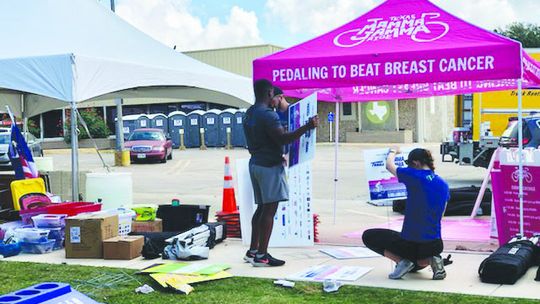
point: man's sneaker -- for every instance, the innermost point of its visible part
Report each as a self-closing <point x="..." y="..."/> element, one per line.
<point x="248" y="258"/>
<point x="437" y="265"/>
<point x="402" y="268"/>
<point x="266" y="261"/>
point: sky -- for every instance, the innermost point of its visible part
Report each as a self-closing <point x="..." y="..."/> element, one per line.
<point x="206" y="24"/>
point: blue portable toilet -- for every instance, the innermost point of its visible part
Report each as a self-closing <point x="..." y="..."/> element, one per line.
<point x="226" y="120"/>
<point x="192" y="132"/>
<point x="143" y="122"/>
<point x="159" y="121"/>
<point x="210" y="123"/>
<point x="238" y="137"/>
<point x="177" y="122"/>
<point x="129" y="124"/>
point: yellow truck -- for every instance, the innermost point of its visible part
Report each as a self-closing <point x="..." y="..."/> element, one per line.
<point x="481" y="119"/>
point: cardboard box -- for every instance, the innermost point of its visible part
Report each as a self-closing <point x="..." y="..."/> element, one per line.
<point x="85" y="234"/>
<point x="123" y="247"/>
<point x="151" y="226"/>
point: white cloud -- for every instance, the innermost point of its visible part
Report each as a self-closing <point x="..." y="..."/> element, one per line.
<point x="319" y="16"/>
<point x="172" y="23"/>
<point x="316" y="16"/>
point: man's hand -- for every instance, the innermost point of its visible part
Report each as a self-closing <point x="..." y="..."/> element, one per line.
<point x="313" y="122"/>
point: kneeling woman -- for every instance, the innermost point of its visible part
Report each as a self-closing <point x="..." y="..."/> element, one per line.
<point x="419" y="244"/>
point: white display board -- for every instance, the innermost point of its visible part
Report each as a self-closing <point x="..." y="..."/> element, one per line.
<point x="303" y="149"/>
<point x="382" y="185"/>
<point x="293" y="223"/>
<point x="330" y="272"/>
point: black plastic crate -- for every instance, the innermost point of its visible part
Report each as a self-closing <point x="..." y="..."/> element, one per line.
<point x="182" y="217"/>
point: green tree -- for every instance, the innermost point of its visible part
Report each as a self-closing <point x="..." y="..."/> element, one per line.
<point x="526" y="33"/>
<point x="96" y="125"/>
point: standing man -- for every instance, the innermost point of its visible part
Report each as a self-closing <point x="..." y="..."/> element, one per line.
<point x="266" y="137"/>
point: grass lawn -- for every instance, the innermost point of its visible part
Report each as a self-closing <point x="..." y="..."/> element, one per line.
<point x="15" y="276"/>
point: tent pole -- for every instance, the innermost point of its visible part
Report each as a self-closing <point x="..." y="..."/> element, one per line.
<point x="74" y="154"/>
<point x="520" y="153"/>
<point x="336" y="141"/>
<point x="24" y="118"/>
<point x="119" y="126"/>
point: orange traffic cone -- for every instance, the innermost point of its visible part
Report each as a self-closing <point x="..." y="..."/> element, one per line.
<point x="229" y="199"/>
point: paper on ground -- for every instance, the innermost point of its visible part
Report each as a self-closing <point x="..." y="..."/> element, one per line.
<point x="187" y="269"/>
<point x="329" y="272"/>
<point x="343" y="253"/>
<point x="174" y="280"/>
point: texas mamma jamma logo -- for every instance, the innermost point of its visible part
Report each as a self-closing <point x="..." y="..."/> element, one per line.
<point x="424" y="28"/>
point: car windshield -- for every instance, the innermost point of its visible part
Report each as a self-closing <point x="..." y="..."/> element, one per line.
<point x="4" y="138"/>
<point x="146" y="135"/>
<point x="511" y="130"/>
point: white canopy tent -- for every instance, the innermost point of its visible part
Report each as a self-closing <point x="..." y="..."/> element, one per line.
<point x="60" y="52"/>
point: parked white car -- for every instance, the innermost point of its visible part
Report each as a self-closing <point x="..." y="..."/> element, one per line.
<point x="34" y="145"/>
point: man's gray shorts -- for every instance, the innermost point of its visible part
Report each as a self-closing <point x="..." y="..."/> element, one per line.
<point x="269" y="184"/>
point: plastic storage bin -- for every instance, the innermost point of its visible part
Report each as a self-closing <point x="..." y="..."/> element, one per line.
<point x="69" y="209"/>
<point x="37" y="247"/>
<point x="183" y="217"/>
<point x="49" y="220"/>
<point x="5" y="227"/>
<point x="31" y="234"/>
<point x="57" y="234"/>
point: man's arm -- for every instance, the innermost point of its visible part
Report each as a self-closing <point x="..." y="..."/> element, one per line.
<point x="390" y="161"/>
<point x="284" y="138"/>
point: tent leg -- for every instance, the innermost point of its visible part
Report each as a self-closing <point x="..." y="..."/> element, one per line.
<point x="520" y="153"/>
<point x="74" y="154"/>
<point x="484" y="185"/>
<point x="336" y="141"/>
<point x="119" y="126"/>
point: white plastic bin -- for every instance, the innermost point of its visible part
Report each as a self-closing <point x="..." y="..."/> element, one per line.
<point x="31" y="234"/>
<point x="49" y="220"/>
<point x="113" y="189"/>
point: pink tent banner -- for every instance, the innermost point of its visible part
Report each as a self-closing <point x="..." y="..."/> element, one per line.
<point x="400" y="49"/>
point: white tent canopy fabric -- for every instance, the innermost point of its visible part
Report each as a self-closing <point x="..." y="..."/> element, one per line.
<point x="77" y="50"/>
<point x="60" y="52"/>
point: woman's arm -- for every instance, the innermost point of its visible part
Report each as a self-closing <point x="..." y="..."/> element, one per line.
<point x="390" y="161"/>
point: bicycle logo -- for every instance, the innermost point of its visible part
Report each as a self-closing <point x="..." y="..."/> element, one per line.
<point x="423" y="29"/>
<point x="527" y="176"/>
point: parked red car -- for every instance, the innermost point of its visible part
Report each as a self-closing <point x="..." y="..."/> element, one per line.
<point x="149" y="144"/>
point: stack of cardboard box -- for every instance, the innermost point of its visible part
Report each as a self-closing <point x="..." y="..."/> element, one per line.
<point x="95" y="235"/>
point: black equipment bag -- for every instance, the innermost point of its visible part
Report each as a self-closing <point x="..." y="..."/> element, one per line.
<point x="461" y="202"/>
<point x="509" y="263"/>
<point x="154" y="243"/>
<point x="218" y="233"/>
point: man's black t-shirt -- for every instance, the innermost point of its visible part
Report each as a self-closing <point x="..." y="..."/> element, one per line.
<point x="258" y="122"/>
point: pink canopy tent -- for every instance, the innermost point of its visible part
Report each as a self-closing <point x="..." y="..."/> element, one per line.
<point x="400" y="49"/>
